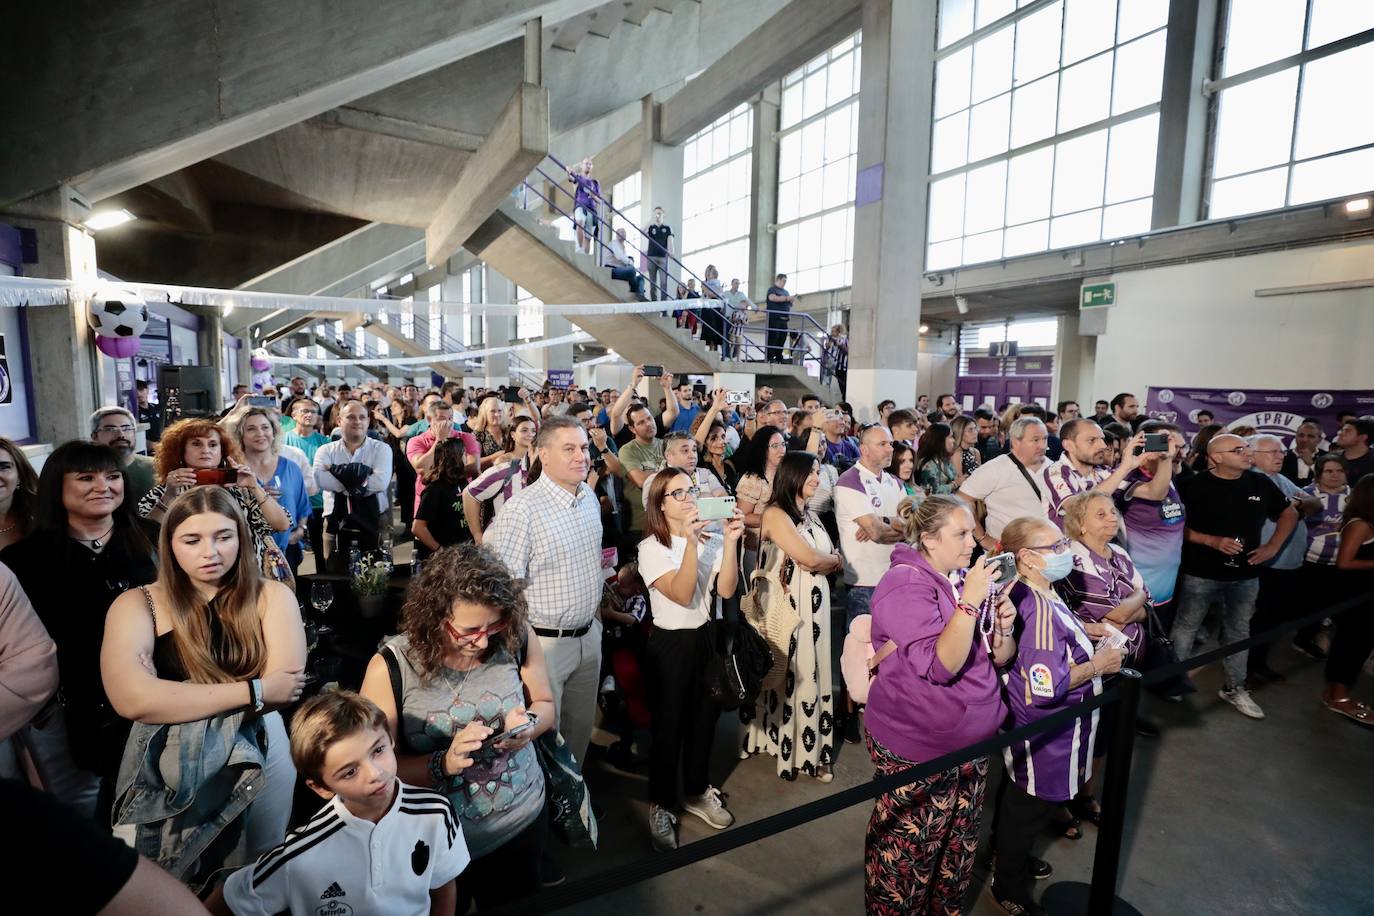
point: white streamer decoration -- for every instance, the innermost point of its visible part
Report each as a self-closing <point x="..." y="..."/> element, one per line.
<point x="34" y="291"/>
<point x="460" y="355"/>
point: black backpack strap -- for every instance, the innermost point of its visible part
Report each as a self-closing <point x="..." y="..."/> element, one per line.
<point x="1026" y="474"/>
<point x="393" y="670"/>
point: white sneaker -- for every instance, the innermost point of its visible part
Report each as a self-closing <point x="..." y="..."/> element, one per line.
<point x="662" y="829"/>
<point x="1239" y="697"/>
<point x="710" y="807"/>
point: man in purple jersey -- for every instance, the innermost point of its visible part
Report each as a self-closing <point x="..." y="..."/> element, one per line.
<point x="1082" y="467"/>
<point x="584" y="203"/>
<point x="1323" y="539"/>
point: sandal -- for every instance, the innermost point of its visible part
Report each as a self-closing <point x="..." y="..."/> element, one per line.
<point x="1071" y="829"/>
<point x="1351" y="709"/>
<point x="1085" y="807"/>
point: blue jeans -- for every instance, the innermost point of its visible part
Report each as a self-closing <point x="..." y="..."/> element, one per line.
<point x="859" y="602"/>
<point x="1237" y="599"/>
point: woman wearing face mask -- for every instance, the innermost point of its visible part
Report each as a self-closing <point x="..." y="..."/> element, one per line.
<point x="1056" y="667"/>
<point x="467" y="665"/>
<point x="796" y="723"/>
<point x="85" y="550"/>
<point x="210" y="651"/>
<point x="195" y="445"/>
<point x="260" y="439"/>
<point x="936" y="693"/>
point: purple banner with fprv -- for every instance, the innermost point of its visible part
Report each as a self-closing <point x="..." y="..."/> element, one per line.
<point x="1268" y="410"/>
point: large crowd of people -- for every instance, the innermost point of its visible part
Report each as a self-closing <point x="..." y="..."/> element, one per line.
<point x="574" y="554"/>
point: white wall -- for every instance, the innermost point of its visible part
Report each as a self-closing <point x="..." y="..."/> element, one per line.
<point x="1202" y="325"/>
<point x="937" y="364"/>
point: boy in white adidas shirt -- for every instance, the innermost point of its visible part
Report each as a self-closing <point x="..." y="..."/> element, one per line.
<point x="378" y="847"/>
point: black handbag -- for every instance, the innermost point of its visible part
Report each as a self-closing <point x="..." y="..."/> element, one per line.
<point x="1160" y="653"/>
<point x="740" y="660"/>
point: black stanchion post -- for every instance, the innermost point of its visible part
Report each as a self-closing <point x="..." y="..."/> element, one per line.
<point x="1071" y="898"/>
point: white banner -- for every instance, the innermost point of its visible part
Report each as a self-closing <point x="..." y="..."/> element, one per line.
<point x="33" y="291"/>
<point x="458" y="356"/>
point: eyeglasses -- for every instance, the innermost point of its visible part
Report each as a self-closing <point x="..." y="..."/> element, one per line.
<point x="1058" y="546"/>
<point x="1232" y="451"/>
<point x="467" y="639"/>
<point x="681" y="493"/>
<point x="777" y="446"/>
<point x="126" y="428"/>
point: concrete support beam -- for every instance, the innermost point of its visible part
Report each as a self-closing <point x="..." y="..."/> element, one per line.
<point x="1181" y="157"/>
<point x="794" y="35"/>
<point x="660" y="168"/>
<point x="345" y="264"/>
<point x="518" y="142"/>
<point x="498" y="289"/>
<point x="893" y="161"/>
<point x="400" y="128"/>
<point x="534" y="52"/>
<point x="199" y="77"/>
<point x="210" y="345"/>
<point x="62" y="357"/>
<point x="763" y="193"/>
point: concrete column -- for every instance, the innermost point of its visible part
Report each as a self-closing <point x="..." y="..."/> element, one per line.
<point x="1181" y="157"/>
<point x="62" y="358"/>
<point x="763" y="194"/>
<point x="890" y="201"/>
<point x="660" y="172"/>
<point x="210" y="344"/>
<point x="500" y="290"/>
<point x="561" y="356"/>
<point x="1075" y="360"/>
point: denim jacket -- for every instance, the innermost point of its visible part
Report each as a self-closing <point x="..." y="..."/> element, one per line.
<point x="186" y="786"/>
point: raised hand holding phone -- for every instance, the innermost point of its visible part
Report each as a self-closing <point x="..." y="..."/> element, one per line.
<point x="519" y="731"/>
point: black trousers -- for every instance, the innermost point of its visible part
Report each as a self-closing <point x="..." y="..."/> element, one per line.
<point x="777" y="332"/>
<point x="405" y="491"/>
<point x="315" y="529"/>
<point x="1319" y="588"/>
<point x="1281" y="598"/>
<point x="684" y="718"/>
<point x="508" y="872"/>
<point x="1020" y="819"/>
<point x="1351" y="643"/>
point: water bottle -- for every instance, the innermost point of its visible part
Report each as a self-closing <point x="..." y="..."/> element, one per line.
<point x="355" y="560"/>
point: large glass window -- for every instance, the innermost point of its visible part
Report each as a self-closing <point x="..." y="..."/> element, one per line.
<point x="625" y="197"/>
<point x="716" y="165"/>
<point x="1301" y="133"/>
<point x="1046" y="121"/>
<point x="817" y="155"/>
<point x="529" y="321"/>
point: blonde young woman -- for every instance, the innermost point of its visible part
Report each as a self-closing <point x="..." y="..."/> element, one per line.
<point x="489" y="429"/>
<point x="214" y="647"/>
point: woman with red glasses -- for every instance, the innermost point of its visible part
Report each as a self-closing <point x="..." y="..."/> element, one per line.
<point x="466" y="668"/>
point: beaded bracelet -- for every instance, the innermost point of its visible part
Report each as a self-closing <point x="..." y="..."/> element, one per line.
<point x="436" y="768"/>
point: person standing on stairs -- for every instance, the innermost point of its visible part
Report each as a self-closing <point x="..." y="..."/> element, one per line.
<point x="585" y="203"/>
<point x="660" y="250"/>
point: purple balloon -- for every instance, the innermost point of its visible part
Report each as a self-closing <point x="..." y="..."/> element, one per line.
<point x="260" y="365"/>
<point x="117" y="347"/>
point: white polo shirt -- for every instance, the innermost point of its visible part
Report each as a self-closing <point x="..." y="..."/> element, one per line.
<point x="1007" y="493"/>
<point x="655" y="561"/>
<point x="860" y="492"/>
<point x="342" y="865"/>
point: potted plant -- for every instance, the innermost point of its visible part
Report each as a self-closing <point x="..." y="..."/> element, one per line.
<point x="371" y="579"/>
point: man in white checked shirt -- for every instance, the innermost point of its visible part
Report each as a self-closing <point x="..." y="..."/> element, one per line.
<point x="549" y="534"/>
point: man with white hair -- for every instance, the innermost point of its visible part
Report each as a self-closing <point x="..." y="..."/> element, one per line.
<point x="1011" y="485"/>
<point x="1224" y="549"/>
<point x="1280" y="588"/>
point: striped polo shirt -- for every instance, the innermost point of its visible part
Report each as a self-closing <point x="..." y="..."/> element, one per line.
<point x="1050" y="640"/>
<point x="1324" y="528"/>
<point x="1064" y="480"/>
<point x="1096" y="585"/>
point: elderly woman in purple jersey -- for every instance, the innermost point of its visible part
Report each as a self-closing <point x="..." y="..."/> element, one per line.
<point x="1056" y="667"/>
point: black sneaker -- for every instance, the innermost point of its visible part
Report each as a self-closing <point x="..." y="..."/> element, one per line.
<point x="1039" y="869"/>
<point x="1017" y="907"/>
<point x="550" y="872"/>
<point x="852" y="733"/>
<point x="1145" y="728"/>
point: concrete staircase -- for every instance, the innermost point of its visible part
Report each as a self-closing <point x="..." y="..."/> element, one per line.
<point x="516" y="244"/>
<point x="605" y="19"/>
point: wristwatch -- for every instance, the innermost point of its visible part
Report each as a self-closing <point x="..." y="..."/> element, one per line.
<point x="255" y="694"/>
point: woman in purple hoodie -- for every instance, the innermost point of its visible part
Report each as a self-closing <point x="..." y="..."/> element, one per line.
<point x="937" y="692"/>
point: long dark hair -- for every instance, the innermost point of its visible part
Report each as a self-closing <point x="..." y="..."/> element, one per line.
<point x="1360" y="505"/>
<point x="450" y="467"/>
<point x="931" y="446"/>
<point x="82" y="457"/>
<point x="25" y="502"/>
<point x="899" y="451"/>
<point x="788" y="482"/>
<point x="755" y="457"/>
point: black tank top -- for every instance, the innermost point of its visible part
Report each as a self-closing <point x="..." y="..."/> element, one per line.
<point x="166" y="658"/>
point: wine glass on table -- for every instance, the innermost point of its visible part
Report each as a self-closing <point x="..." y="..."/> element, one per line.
<point x="321" y="597"/>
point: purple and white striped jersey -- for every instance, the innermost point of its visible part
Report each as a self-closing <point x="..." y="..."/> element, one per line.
<point x="500" y="482"/>
<point x="1096" y="585"/>
<point x="1050" y="640"/>
<point x="1064" y="480"/>
<point x="1324" y="528"/>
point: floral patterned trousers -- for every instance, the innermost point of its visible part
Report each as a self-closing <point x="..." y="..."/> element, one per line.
<point x="921" y="841"/>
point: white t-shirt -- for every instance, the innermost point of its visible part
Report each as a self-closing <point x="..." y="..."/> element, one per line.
<point x="341" y="864"/>
<point x="1008" y="496"/>
<point x="860" y="492"/>
<point x="655" y="560"/>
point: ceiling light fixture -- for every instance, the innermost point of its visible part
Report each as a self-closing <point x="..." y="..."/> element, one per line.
<point x="108" y="219"/>
<point x="961" y="303"/>
<point x="1357" y="208"/>
<point x="924" y="328"/>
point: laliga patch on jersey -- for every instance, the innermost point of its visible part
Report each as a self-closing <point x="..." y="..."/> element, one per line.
<point x="1041" y="681"/>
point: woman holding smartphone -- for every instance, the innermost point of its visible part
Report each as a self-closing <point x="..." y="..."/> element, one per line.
<point x="195" y="452"/>
<point x="935" y="691"/>
<point x="686" y="568"/>
<point x="465" y="667"/>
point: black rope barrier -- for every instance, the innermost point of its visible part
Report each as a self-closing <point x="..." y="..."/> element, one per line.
<point x="1114" y="789"/>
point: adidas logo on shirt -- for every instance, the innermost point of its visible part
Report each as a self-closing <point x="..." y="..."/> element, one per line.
<point x="332" y="891"/>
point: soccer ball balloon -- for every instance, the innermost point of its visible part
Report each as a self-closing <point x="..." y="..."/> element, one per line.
<point x="121" y="313"/>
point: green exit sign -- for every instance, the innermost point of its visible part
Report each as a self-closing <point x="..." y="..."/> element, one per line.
<point x="1097" y="294"/>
